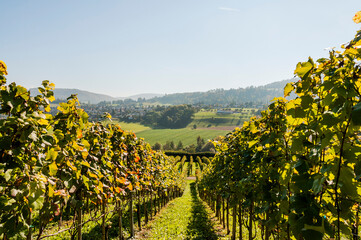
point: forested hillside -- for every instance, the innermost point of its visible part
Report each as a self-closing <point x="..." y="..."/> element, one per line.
<point x="61" y="94"/>
<point x="261" y="94"/>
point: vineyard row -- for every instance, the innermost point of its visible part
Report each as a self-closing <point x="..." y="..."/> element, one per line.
<point x="294" y="172"/>
<point x="65" y="168"/>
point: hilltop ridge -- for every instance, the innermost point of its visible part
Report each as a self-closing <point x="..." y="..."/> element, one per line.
<point x="260" y="94"/>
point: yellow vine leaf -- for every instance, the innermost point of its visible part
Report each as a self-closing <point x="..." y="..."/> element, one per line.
<point x="84" y="154"/>
<point x="85" y="163"/>
<point x="288" y="89"/>
<point x="121" y="180"/>
<point x="43" y="121"/>
<point x="71" y="165"/>
<point x="51" y="190"/>
<point x="47" y="108"/>
<point x="3" y="68"/>
<point x="53" y="169"/>
<point x="92" y="175"/>
<point x="356" y="18"/>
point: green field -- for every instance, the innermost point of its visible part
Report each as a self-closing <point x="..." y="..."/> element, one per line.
<point x="134" y="127"/>
<point x="211" y="118"/>
<point x="209" y="124"/>
<point x="186" y="135"/>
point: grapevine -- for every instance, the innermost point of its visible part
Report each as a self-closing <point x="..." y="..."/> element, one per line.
<point x="295" y="171"/>
<point x="53" y="167"/>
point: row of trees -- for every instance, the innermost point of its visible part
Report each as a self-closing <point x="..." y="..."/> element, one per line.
<point x="295" y="171"/>
<point x="169" y="117"/>
<point x="63" y="164"/>
<point x="241" y="97"/>
<point x="201" y="146"/>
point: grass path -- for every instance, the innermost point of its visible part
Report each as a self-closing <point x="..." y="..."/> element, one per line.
<point x="186" y="217"/>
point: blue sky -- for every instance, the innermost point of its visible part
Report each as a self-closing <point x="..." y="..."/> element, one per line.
<point x="126" y="47"/>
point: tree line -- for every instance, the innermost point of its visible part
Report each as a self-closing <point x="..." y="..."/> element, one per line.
<point x="200" y="146"/>
<point x="178" y="116"/>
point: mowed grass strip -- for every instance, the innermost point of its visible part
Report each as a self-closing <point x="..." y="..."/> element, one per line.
<point x="186" y="135"/>
<point x="184" y="218"/>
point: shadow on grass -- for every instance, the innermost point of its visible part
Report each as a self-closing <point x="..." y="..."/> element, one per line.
<point x="200" y="226"/>
<point x="113" y="232"/>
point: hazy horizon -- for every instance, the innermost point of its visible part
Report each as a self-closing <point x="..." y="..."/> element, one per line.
<point x="150" y="93"/>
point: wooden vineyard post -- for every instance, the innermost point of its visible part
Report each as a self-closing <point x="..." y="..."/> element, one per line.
<point x="60" y="216"/>
<point x="227" y="201"/>
<point x="234" y="222"/>
<point x="138" y="212"/>
<point x="79" y="215"/>
<point x="223" y="214"/>
<point x="87" y="204"/>
<point x="355" y="227"/>
<point x="103" y="219"/>
<point x="215" y="206"/>
<point x="145" y="207"/>
<point x="159" y="200"/>
<point x="240" y="221"/>
<point x="120" y="220"/>
<point x="357" y="223"/>
<point x="155" y="204"/>
<point x="30" y="233"/>
<point x="213" y="203"/>
<point x="250" y="227"/>
<point x="131" y="214"/>
<point x="218" y="207"/>
<point x="163" y="199"/>
<point x="151" y="206"/>
<point x="267" y="233"/>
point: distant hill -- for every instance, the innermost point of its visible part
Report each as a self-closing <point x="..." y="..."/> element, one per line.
<point x="90" y="97"/>
<point x="83" y="96"/>
<point x="143" y="95"/>
<point x="261" y="94"/>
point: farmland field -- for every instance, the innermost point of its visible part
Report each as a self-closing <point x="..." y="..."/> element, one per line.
<point x="210" y="118"/>
<point x="186" y="135"/>
<point x="134" y="127"/>
<point x="209" y="124"/>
